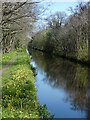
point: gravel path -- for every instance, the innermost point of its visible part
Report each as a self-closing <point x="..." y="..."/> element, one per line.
<point x="6" y="66"/>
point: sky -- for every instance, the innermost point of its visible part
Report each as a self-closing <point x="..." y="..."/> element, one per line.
<point x="57" y="5"/>
<point x="54" y="7"/>
<point x="65" y="0"/>
<point x="61" y="6"/>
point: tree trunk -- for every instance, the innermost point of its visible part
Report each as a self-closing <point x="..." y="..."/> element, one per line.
<point x="89" y="32"/>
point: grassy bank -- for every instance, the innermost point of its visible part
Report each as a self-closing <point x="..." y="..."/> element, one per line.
<point x="18" y="90"/>
<point x="5" y="58"/>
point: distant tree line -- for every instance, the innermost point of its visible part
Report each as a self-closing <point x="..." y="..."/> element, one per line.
<point x="66" y="36"/>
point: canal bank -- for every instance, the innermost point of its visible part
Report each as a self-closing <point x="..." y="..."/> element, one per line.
<point x="70" y="56"/>
<point x="19" y="98"/>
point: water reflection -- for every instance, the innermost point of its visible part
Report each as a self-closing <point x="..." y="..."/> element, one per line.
<point x="65" y="85"/>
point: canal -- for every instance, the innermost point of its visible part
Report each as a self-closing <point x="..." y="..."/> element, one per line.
<point x="61" y="85"/>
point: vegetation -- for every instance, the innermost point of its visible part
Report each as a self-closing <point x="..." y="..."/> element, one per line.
<point x="18" y="90"/>
<point x="17" y="22"/>
<point x="66" y="36"/>
<point x="7" y="57"/>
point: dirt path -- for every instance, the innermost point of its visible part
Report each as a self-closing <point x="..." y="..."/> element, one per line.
<point x="6" y="66"/>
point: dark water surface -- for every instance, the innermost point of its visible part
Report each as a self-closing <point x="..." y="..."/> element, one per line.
<point x="61" y="85"/>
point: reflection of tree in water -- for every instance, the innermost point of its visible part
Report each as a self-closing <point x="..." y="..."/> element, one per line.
<point x="74" y="80"/>
<point x="72" y="77"/>
<point x="89" y="93"/>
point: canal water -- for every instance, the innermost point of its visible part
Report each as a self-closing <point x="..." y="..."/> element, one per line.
<point x="61" y="85"/>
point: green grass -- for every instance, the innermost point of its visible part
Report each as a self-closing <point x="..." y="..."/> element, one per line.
<point x="19" y="92"/>
<point x="5" y="58"/>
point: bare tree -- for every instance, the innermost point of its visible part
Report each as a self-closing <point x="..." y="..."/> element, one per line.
<point x="18" y="18"/>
